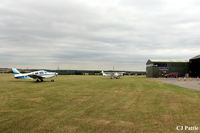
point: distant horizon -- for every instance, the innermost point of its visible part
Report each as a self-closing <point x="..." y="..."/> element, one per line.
<point x="78" y="68"/>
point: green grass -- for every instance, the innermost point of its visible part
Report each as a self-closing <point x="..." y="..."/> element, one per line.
<point x="95" y="104"/>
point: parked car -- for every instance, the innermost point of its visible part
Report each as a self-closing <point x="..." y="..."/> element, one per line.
<point x="171" y="75"/>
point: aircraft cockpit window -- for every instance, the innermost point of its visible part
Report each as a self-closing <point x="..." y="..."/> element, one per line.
<point x="41" y="72"/>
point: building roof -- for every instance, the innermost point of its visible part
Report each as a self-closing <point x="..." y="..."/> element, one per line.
<point x="183" y="61"/>
<point x="196" y="57"/>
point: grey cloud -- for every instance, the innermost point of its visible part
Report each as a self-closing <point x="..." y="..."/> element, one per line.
<point x="86" y="34"/>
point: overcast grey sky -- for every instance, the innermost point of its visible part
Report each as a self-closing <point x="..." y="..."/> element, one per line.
<point x="97" y="34"/>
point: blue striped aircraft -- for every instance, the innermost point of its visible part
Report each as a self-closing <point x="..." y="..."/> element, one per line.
<point x="38" y="75"/>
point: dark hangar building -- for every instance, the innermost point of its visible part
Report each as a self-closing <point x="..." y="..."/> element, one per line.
<point x="159" y="68"/>
<point x="194" y="66"/>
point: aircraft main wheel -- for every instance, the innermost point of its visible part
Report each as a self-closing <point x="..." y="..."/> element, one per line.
<point x="41" y="80"/>
<point x="37" y="80"/>
<point x="52" y="80"/>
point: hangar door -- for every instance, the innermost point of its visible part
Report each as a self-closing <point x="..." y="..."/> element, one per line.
<point x="194" y="68"/>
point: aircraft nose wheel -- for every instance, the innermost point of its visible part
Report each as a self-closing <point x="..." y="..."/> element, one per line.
<point x="52" y="80"/>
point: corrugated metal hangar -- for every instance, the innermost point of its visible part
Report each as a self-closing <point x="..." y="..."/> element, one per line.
<point x="160" y="68"/>
<point x="173" y="68"/>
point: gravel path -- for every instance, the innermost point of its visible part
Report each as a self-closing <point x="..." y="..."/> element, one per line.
<point x="194" y="84"/>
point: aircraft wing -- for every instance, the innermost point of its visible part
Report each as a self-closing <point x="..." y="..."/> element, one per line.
<point x="109" y="73"/>
<point x="122" y="73"/>
<point x="34" y="76"/>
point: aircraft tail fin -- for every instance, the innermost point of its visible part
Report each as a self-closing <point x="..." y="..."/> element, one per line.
<point x="104" y="74"/>
<point x="15" y="71"/>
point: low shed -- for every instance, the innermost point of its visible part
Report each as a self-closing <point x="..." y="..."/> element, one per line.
<point x="158" y="68"/>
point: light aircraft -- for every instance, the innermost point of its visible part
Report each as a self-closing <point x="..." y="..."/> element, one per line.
<point x="116" y="75"/>
<point x="38" y="75"/>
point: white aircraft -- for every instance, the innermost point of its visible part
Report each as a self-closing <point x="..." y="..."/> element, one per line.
<point x="116" y="75"/>
<point x="38" y="75"/>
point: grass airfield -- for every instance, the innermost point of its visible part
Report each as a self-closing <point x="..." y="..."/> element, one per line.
<point x="95" y="104"/>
